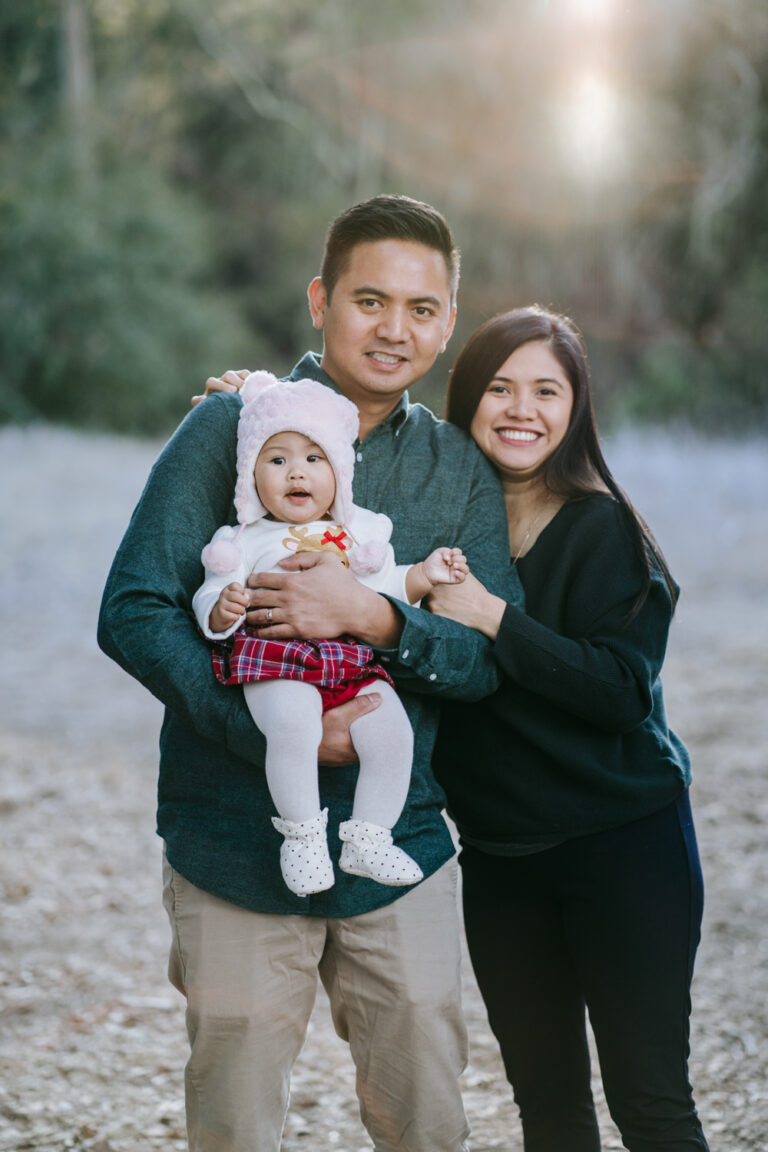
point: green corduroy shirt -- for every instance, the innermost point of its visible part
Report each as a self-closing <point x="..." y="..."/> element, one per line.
<point x="213" y="804"/>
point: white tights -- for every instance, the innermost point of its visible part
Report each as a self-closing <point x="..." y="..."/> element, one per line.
<point x="289" y="714"/>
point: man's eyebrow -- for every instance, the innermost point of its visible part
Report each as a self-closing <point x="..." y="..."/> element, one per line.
<point x="370" y="290"/>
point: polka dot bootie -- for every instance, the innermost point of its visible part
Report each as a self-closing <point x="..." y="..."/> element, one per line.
<point x="367" y="850"/>
<point x="304" y="859"/>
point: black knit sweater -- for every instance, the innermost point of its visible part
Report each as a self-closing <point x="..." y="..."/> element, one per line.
<point x="575" y="740"/>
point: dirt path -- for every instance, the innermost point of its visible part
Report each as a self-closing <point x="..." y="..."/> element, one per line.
<point x="92" y="1042"/>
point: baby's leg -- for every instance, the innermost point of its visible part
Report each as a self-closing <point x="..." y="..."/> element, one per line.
<point x="383" y="740"/>
<point x="289" y="714"/>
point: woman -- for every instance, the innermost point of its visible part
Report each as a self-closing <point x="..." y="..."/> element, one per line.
<point x="581" y="879"/>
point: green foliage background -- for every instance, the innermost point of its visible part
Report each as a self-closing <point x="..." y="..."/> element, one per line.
<point x="167" y="171"/>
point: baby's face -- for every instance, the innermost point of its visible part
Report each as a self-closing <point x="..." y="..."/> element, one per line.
<point x="294" y="478"/>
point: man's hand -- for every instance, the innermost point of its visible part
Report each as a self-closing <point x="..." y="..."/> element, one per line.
<point x="306" y="601"/>
<point x="317" y="598"/>
<point x="231" y="381"/>
<point x="336" y="747"/>
<point x="229" y="608"/>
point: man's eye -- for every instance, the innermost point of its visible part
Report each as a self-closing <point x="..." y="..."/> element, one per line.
<point x="422" y="311"/>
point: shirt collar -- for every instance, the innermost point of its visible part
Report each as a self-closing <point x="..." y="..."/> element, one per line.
<point x="309" y="367"/>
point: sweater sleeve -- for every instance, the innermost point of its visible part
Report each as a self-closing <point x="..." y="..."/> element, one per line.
<point x="207" y="596"/>
<point x="600" y="665"/>
<point x="145" y="623"/>
<point x="373" y="530"/>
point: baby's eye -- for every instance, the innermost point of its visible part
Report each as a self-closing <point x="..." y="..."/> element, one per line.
<point x="277" y="460"/>
<point x="314" y="457"/>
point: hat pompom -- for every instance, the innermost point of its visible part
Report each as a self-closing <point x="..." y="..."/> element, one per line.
<point x="368" y="557"/>
<point x="222" y="556"/>
<point x="255" y="383"/>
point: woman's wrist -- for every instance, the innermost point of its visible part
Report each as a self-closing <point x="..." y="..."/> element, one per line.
<point x="490" y="613"/>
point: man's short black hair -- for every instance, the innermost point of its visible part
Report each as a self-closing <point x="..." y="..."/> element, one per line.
<point x="387" y="217"/>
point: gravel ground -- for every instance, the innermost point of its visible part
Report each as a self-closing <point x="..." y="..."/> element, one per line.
<point x="92" y="1042"/>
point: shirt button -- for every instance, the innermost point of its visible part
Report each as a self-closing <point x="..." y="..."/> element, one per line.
<point x="359" y="457"/>
<point x="433" y="675"/>
<point x="406" y="653"/>
<point x="385" y="659"/>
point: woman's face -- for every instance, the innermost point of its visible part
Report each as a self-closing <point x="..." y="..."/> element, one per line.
<point x="524" y="412"/>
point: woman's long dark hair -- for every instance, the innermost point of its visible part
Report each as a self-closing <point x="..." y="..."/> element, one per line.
<point x="577" y="467"/>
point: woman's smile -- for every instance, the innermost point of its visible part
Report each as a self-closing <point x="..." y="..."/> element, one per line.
<point x="525" y="411"/>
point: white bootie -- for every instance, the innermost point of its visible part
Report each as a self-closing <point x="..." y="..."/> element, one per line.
<point x="304" y="859"/>
<point x="367" y="850"/>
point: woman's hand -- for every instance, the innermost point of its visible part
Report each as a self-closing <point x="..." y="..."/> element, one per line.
<point x="469" y="603"/>
<point x="231" y="381"/>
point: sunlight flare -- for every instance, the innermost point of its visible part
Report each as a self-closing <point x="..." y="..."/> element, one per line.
<point x="591" y="128"/>
<point x="591" y="9"/>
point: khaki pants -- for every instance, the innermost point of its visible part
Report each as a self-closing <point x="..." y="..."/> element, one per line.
<point x="392" y="977"/>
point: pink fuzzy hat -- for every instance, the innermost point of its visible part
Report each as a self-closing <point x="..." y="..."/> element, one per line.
<point x="325" y="417"/>
<point x="271" y="406"/>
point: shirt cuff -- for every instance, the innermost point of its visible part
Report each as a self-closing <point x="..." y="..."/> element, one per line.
<point x="424" y="653"/>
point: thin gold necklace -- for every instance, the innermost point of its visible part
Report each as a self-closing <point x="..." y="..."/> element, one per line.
<point x="531" y="527"/>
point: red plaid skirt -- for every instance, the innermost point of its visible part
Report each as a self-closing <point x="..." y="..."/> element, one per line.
<point x="337" y="668"/>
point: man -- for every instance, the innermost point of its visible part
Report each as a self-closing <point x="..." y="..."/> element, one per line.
<point x="246" y="952"/>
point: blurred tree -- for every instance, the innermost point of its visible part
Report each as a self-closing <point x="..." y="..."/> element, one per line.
<point x="707" y="355"/>
<point x="167" y="172"/>
<point x="106" y="315"/>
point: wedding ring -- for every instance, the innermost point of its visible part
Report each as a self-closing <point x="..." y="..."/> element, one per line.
<point x="269" y="615"/>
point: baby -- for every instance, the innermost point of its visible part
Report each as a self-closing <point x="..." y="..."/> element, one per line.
<point x="295" y="461"/>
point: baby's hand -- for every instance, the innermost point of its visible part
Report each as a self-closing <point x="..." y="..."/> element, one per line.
<point x="446" y="566"/>
<point x="229" y="608"/>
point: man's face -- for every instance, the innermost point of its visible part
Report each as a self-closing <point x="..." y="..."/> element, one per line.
<point x="389" y="316"/>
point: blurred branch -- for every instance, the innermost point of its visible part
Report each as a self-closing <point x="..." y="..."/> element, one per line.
<point x="729" y="140"/>
<point x="223" y="44"/>
<point x="78" y="84"/>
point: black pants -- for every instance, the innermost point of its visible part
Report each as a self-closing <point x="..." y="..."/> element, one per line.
<point x="609" y="922"/>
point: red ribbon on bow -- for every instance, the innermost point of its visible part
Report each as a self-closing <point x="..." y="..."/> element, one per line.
<point x="337" y="540"/>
